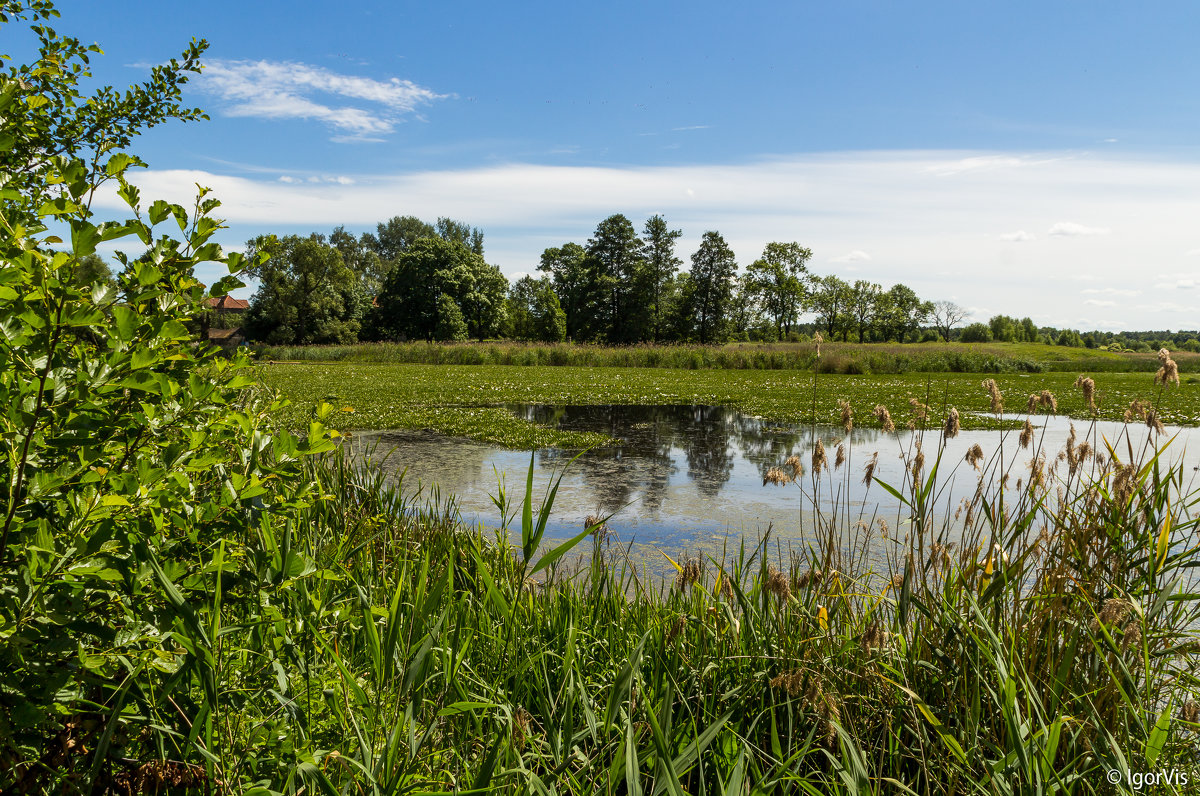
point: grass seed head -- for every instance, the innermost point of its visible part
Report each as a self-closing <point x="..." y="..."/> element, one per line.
<point x="840" y="459"/>
<point x="1155" y="422"/>
<point x="1190" y="712"/>
<point x="847" y="415"/>
<point x="1026" y="434"/>
<point x="997" y="400"/>
<point x="974" y="456"/>
<point x="952" y="424"/>
<point x="1046" y="398"/>
<point x="777" y="584"/>
<point x="778" y="477"/>
<point x="689" y="573"/>
<point x="1088" y="387"/>
<point x="885" y="418"/>
<point x="818" y="458"/>
<point x="794" y="465"/>
<point x="869" y="469"/>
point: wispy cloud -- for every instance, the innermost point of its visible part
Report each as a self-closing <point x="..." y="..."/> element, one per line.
<point x="691" y="127"/>
<point x="292" y="90"/>
<point x="1069" y="229"/>
<point x="1110" y="291"/>
<point x="1178" y="281"/>
<point x="1192" y="253"/>
<point x="833" y="203"/>
<point x="856" y="256"/>
<point x="1100" y="302"/>
<point x="1020" y="236"/>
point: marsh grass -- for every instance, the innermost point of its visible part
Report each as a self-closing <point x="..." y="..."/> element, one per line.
<point x="1024" y="642"/>
<point x="846" y="358"/>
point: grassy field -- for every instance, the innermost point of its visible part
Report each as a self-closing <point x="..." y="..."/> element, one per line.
<point x="465" y="400"/>
<point x="846" y="358"/>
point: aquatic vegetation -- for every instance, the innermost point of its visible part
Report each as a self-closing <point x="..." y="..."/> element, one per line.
<point x="465" y="400"/>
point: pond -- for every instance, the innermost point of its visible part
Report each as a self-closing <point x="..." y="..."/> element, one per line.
<point x="691" y="478"/>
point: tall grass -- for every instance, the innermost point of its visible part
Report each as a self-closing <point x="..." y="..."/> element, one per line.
<point x="850" y="358"/>
<point x="375" y="644"/>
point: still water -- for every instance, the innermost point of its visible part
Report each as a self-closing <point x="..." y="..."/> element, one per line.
<point x="692" y="477"/>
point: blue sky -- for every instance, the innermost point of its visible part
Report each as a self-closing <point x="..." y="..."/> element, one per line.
<point x="1025" y="158"/>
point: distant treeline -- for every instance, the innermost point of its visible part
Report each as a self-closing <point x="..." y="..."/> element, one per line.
<point x="411" y="280"/>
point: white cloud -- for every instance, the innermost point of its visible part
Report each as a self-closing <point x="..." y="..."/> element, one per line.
<point x="834" y="203"/>
<point x="316" y="179"/>
<point x="1020" y="236"/>
<point x="1111" y="291"/>
<point x="1178" y="281"/>
<point x="856" y="256"/>
<point x="691" y="127"/>
<point x="1070" y="229"/>
<point x="1192" y="253"/>
<point x="1100" y="303"/>
<point x="285" y="90"/>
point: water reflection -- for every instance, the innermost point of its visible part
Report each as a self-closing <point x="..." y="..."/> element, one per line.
<point x="690" y="476"/>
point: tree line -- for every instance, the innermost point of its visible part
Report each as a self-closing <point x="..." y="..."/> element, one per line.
<point x="411" y="280"/>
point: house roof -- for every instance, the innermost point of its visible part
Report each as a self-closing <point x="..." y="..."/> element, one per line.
<point x="226" y="303"/>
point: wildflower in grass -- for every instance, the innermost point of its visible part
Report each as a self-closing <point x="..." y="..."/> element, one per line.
<point x="794" y="464"/>
<point x="1190" y="712"/>
<point x="1026" y="434"/>
<point x="1088" y="387"/>
<point x="885" y="418"/>
<point x="818" y="458"/>
<point x="952" y="424"/>
<point x="847" y="415"/>
<point x="974" y="456"/>
<point x="840" y="459"/>
<point x="777" y="584"/>
<point x="869" y="469"/>
<point x="994" y="393"/>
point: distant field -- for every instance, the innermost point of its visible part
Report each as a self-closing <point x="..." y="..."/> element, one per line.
<point x="846" y="358"/>
<point x="463" y="400"/>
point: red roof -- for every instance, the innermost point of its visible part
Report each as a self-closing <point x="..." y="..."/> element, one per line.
<point x="226" y="303"/>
